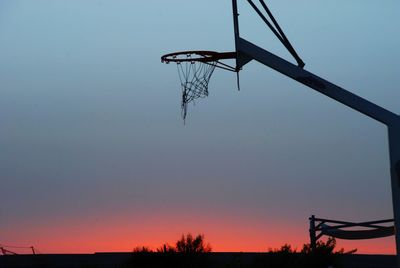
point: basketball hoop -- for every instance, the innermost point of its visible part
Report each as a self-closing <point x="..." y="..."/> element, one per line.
<point x="195" y="69"/>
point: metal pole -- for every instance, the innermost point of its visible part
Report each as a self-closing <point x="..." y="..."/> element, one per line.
<point x="313" y="239"/>
<point x="235" y="20"/>
<point x="394" y="150"/>
<point x="236" y="28"/>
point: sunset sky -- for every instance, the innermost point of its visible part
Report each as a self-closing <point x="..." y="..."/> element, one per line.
<point x="94" y="155"/>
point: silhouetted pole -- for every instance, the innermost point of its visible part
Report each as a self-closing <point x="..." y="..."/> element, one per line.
<point x="313" y="238"/>
<point x="394" y="150"/>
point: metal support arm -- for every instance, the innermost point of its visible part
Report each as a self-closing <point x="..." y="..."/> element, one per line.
<point x="311" y="80"/>
<point x="390" y="119"/>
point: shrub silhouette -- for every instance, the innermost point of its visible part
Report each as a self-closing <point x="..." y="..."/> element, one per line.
<point x="327" y="247"/>
<point x="283" y="257"/>
<point x="165" y="248"/>
<point x="286" y="249"/>
<point x="324" y="254"/>
<point x="188" y="252"/>
<point x="142" y="249"/>
<point x="188" y="244"/>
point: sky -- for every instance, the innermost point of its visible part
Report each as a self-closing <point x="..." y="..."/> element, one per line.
<point x="94" y="155"/>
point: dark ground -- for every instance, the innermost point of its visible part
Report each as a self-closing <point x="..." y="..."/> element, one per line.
<point x="159" y="260"/>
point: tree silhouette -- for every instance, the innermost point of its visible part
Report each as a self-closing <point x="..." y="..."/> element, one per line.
<point x="324" y="254"/>
<point x="165" y="248"/>
<point x="286" y="248"/>
<point x="190" y="244"/>
<point x="188" y="252"/>
<point x="142" y="249"/>
<point x="186" y="244"/>
<point x="326" y="248"/>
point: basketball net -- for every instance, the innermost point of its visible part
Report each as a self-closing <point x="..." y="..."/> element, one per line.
<point x="194" y="77"/>
<point x="195" y="69"/>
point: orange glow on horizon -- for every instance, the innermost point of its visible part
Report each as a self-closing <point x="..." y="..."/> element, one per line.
<point x="122" y="234"/>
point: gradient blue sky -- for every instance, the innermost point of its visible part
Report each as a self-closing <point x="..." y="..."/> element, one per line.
<point x="92" y="139"/>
